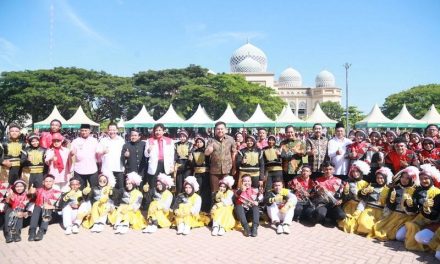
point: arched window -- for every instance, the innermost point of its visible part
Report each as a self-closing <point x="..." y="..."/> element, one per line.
<point x="302" y="109"/>
<point x="292" y="106"/>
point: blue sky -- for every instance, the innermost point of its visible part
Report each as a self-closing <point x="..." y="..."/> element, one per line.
<point x="392" y="45"/>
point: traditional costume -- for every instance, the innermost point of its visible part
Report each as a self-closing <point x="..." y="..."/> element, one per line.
<point x="272" y="163"/>
<point x="182" y="152"/>
<point x="70" y="203"/>
<point x="59" y="161"/>
<point x="352" y="206"/>
<point x="292" y="152"/>
<point x="99" y="202"/>
<point x="280" y="208"/>
<point x="187" y="208"/>
<point x="199" y="165"/>
<point x="11" y="149"/>
<point x="426" y="203"/>
<point x="15" y="212"/>
<point x="45" y="200"/>
<point x="250" y="161"/>
<point x="128" y="213"/>
<point x="222" y="210"/>
<point x="33" y="159"/>
<point x="159" y="209"/>
<point x="394" y="214"/>
<point x="374" y="199"/>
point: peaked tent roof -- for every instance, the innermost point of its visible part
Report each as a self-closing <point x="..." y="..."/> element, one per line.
<point x="79" y="118"/>
<point x="199" y="119"/>
<point x="432" y="116"/>
<point x="374" y="119"/>
<point x="287" y="117"/>
<point x="171" y="118"/>
<point x="55" y="114"/>
<point x="259" y="119"/>
<point x="121" y="123"/>
<point x="318" y="116"/>
<point x="405" y="119"/>
<point x="230" y="118"/>
<point x="142" y="119"/>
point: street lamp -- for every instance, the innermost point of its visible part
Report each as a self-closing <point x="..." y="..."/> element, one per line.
<point x="346" y="66"/>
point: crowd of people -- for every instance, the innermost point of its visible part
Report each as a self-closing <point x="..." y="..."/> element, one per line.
<point x="380" y="185"/>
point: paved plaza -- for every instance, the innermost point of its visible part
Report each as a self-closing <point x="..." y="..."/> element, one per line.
<point x="305" y="244"/>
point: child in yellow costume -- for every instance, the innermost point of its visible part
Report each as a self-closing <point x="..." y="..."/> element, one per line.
<point x="159" y="209"/>
<point x="187" y="207"/>
<point x="394" y="214"/>
<point x="222" y="211"/>
<point x="425" y="202"/>
<point x="373" y="199"/>
<point x="350" y="196"/>
<point x="99" y="203"/>
<point x="128" y="213"/>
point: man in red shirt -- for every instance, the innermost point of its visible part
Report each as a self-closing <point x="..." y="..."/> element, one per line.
<point x="400" y="157"/>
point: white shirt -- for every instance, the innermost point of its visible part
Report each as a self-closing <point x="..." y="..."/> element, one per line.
<point x="111" y="161"/>
<point x="340" y="162"/>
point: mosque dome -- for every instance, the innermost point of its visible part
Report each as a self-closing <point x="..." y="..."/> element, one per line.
<point x="325" y="79"/>
<point x="254" y="56"/>
<point x="290" y="78"/>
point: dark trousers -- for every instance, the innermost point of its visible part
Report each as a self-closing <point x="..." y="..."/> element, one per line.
<point x="301" y="210"/>
<point x="36" y="220"/>
<point x="181" y="174"/>
<point x="204" y="191"/>
<point x="14" y="174"/>
<point x="271" y="177"/>
<point x="120" y="179"/>
<point x="151" y="179"/>
<point x="36" y="180"/>
<point x="319" y="214"/>
<point x="343" y="177"/>
<point x="18" y="225"/>
<point x="92" y="179"/>
<point x="243" y="214"/>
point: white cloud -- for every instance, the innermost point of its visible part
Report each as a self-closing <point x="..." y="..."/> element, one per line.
<point x="224" y="37"/>
<point x="81" y="24"/>
<point x="7" y="51"/>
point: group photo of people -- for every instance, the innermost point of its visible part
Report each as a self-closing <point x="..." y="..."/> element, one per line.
<point x="382" y="185"/>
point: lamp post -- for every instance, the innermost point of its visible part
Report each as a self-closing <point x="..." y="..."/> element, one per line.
<point x="346" y="66"/>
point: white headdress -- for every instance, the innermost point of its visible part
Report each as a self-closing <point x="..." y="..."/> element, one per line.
<point x="111" y="181"/>
<point x="193" y="182"/>
<point x="228" y="180"/>
<point x="134" y="178"/>
<point x="387" y="172"/>
<point x="167" y="180"/>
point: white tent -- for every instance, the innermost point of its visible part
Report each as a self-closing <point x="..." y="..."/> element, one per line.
<point x="432" y="116"/>
<point x="142" y="119"/>
<point x="55" y="114"/>
<point x="374" y="119"/>
<point x="318" y="116"/>
<point x="405" y="119"/>
<point x="79" y="118"/>
<point x="199" y="119"/>
<point x="287" y="117"/>
<point x="230" y="118"/>
<point x="171" y="118"/>
<point x="259" y="119"/>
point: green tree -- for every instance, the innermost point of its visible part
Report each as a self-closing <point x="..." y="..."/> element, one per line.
<point x="333" y="110"/>
<point x="354" y="116"/>
<point x="417" y="99"/>
<point x="214" y="92"/>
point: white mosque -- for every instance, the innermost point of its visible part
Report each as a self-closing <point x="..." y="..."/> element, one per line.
<point x="251" y="62"/>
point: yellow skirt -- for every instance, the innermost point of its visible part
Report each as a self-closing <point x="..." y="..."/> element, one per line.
<point x="98" y="210"/>
<point x="367" y="219"/>
<point x="160" y="215"/>
<point x="434" y="244"/>
<point x="349" y="223"/>
<point x="412" y="228"/>
<point x="184" y="216"/>
<point x="224" y="217"/>
<point x="134" y="218"/>
<point x="386" y="229"/>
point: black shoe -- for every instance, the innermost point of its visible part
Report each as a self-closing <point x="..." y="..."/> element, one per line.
<point x="9" y="237"/>
<point x="17" y="236"/>
<point x="39" y="235"/>
<point x="246" y="231"/>
<point x="254" y="231"/>
<point x="31" y="235"/>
